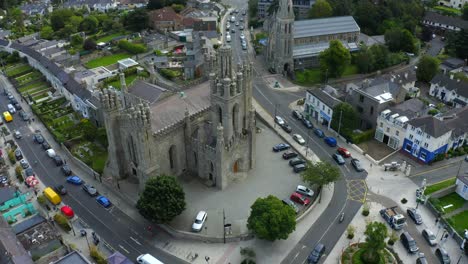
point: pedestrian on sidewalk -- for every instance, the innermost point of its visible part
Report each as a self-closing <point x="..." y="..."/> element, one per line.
<point x="33" y="119"/>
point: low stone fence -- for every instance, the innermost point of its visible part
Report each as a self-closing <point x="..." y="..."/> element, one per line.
<point x="443" y="192"/>
<point x="78" y="162"/>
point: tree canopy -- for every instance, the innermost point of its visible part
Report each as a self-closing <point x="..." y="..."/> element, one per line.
<point x="457" y="44"/>
<point x="333" y="61"/>
<point x="427" y="68"/>
<point x="321" y="8"/>
<point x="270" y="219"/>
<point x="465" y="12"/>
<point x="376" y="232"/>
<point x="162" y="200"/>
<point x="398" y="39"/>
<point x="349" y="118"/>
<point x="157" y="4"/>
<point x="137" y="20"/>
<point x="320" y="173"/>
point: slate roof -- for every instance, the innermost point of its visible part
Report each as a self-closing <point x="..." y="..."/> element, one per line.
<point x="454" y="63"/>
<point x="78" y="3"/>
<point x="324" y="26"/>
<point x="52" y="51"/>
<point x="443" y="80"/>
<point x="446" y="20"/>
<point x="164" y="14"/>
<point x="324" y="97"/>
<point x="430" y="125"/>
<point x="6" y="194"/>
<point x="411" y="108"/>
<point x="463" y="178"/>
<point x="45" y="44"/>
<point x="72" y="258"/>
<point x="146" y="91"/>
<point x="171" y="110"/>
<point x="379" y="87"/>
<point x="457" y="119"/>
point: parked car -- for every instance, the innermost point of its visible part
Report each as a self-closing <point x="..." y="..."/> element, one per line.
<point x="28" y="172"/>
<point x="413" y="214"/>
<point x="18" y="154"/>
<point x="45" y="145"/>
<point x="300" y="199"/>
<point x="58" y="160"/>
<point x="38" y="138"/>
<point x="295" y="161"/>
<point x="299" y="167"/>
<point x="408" y="242"/>
<point x="287" y="128"/>
<point x="357" y="165"/>
<point x="280" y="147"/>
<point x="319" y="133"/>
<point x="61" y="189"/>
<point x="102" y="200"/>
<point x="430" y="237"/>
<point x="331" y="141"/>
<point x="421" y="259"/>
<point x="199" y="221"/>
<point x="296" y="114"/>
<point x="24" y="164"/>
<point x="442" y="255"/>
<point x="339" y="159"/>
<point x="289" y="155"/>
<point x="17" y="134"/>
<point x="279" y="120"/>
<point x="17" y="106"/>
<point x="344" y="152"/>
<point x="25" y="117"/>
<point x="304" y="190"/>
<point x="74" y="180"/>
<point x="307" y="123"/>
<point x="66" y="170"/>
<point x="288" y="201"/>
<point x="51" y="153"/>
<point x="90" y="189"/>
<point x="299" y="139"/>
<point x="316" y="254"/>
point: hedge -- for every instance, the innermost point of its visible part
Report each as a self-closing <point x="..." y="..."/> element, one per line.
<point x="97" y="256"/>
<point x="357" y="138"/>
<point x="62" y="222"/>
<point x="130" y="47"/>
<point x="170" y="74"/>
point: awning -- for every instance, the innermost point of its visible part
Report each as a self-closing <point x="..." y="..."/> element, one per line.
<point x="67" y="211"/>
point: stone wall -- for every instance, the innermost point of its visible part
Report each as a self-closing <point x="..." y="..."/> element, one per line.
<point x="78" y="162"/>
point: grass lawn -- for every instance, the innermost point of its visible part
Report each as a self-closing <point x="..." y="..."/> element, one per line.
<point x="448" y="10"/>
<point x="350" y="70"/>
<point x="459" y="222"/>
<point x="93" y="155"/>
<point x="440" y="185"/>
<point x="454" y="199"/>
<point x="128" y="79"/>
<point x="107" y="60"/>
<point x="308" y="76"/>
<point x="109" y="37"/>
<point x="17" y="70"/>
<point x="32" y="86"/>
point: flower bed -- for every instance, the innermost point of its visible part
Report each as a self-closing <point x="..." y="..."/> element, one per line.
<point x="352" y="255"/>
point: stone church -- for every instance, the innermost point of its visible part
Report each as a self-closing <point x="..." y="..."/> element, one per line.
<point x="206" y="131"/>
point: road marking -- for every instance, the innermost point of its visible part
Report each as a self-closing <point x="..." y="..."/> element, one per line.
<point x="334" y="220"/>
<point x="295" y="257"/>
<point x="136" y="241"/>
<point x="347" y="168"/>
<point x="128" y="252"/>
<point x="436" y="169"/>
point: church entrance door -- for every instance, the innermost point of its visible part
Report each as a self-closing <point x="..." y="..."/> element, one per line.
<point x="235" y="168"/>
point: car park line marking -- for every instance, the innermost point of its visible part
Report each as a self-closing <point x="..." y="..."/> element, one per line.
<point x="124" y="249"/>
<point x="136" y="241"/>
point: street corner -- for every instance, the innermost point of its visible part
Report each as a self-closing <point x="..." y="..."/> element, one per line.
<point x="278" y="82"/>
<point x="357" y="190"/>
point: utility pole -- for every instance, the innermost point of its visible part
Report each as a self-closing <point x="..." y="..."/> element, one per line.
<point x="339" y="122"/>
<point x="224" y="227"/>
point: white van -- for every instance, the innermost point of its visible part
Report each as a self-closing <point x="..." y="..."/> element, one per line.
<point x="148" y="259"/>
<point x="11" y="109"/>
<point x="228" y="38"/>
<point x="233" y="19"/>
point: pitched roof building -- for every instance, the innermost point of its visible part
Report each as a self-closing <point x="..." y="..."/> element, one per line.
<point x="438" y="21"/>
<point x="449" y="90"/>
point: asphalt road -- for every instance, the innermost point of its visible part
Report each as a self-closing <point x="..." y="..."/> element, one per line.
<point x="441" y="173"/>
<point x="112" y="225"/>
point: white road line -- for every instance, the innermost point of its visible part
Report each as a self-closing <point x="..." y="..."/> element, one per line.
<point x="347" y="168"/>
<point x="334" y="220"/>
<point x="295" y="257"/>
<point x="128" y="252"/>
<point x="136" y="241"/>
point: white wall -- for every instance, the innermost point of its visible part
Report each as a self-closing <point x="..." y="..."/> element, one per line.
<point x="462" y="189"/>
<point x="423" y="138"/>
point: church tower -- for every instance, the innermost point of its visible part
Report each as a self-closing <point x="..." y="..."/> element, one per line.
<point x="281" y="40"/>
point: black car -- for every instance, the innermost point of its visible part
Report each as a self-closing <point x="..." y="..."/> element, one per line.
<point x="307" y="123"/>
<point x="289" y="155"/>
<point x="357" y="165"/>
<point x="25" y="117"/>
<point x="38" y="138"/>
<point x="296" y="161"/>
<point x="299" y="167"/>
<point x="18" y="106"/>
<point x="316" y="254"/>
<point x="58" y="160"/>
<point x="13" y="101"/>
<point x="442" y="255"/>
<point x="61" y="189"/>
<point x="45" y="145"/>
<point x="287" y="128"/>
<point x="29" y="172"/>
<point x="90" y="189"/>
<point x="413" y="214"/>
<point x="296" y="114"/>
<point x="409" y="243"/>
<point x="280" y="147"/>
<point x="66" y="170"/>
<point x="18" y="154"/>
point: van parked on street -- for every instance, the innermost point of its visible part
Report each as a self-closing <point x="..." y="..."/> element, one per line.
<point x="52" y="196"/>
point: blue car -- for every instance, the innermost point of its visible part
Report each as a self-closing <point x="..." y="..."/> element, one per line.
<point x="319" y="133"/>
<point x="281" y="147"/>
<point x="74" y="180"/>
<point x="307" y="123"/>
<point x="102" y="200"/>
<point x="331" y="141"/>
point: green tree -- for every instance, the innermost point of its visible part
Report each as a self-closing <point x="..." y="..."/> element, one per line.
<point x="380" y="55"/>
<point x="137" y="20"/>
<point x="457" y="44"/>
<point x="89" y="24"/>
<point x="270" y="219"/>
<point x="76" y="40"/>
<point x="376" y="232"/>
<point x="364" y="60"/>
<point x="59" y="18"/>
<point x="320" y="173"/>
<point x="89" y="44"/>
<point x="427" y="68"/>
<point x="333" y="61"/>
<point x="162" y="200"/>
<point x="47" y="32"/>
<point x="398" y="39"/>
<point x="321" y="8"/>
<point x="348" y="116"/>
<point x="465" y="12"/>
<point x="253" y="8"/>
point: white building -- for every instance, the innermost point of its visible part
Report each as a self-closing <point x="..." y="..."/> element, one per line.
<point x="93" y="76"/>
<point x="449" y="90"/>
<point x="438" y="21"/>
<point x="319" y="105"/>
<point x="453" y="3"/>
<point x="462" y="186"/>
<point x="392" y="122"/>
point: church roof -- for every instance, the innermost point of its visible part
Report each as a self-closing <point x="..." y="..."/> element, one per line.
<point x="324" y="26"/>
<point x="171" y="110"/>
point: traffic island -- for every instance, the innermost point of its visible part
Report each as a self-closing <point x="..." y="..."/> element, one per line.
<point x="354" y="255"/>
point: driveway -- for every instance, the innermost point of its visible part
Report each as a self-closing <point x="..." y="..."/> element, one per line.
<point x="436" y="45"/>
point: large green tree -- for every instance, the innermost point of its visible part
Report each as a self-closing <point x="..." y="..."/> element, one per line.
<point x="137" y="20"/>
<point x="457" y="44"/>
<point x="427" y="68"/>
<point x="320" y="173"/>
<point x="89" y="24"/>
<point x="270" y="219"/>
<point x="321" y="8"/>
<point x="47" y="32"/>
<point x="376" y="232"/>
<point x="59" y="18"/>
<point x="398" y="39"/>
<point x="333" y="61"/>
<point x="162" y="200"/>
<point x="347" y="115"/>
<point x="465" y="12"/>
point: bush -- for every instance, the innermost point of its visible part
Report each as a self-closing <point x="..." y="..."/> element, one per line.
<point x="433" y="112"/>
<point x="248" y="261"/>
<point x="11" y="157"/>
<point x="404" y="201"/>
<point x="365" y="210"/>
<point x="18" y="171"/>
<point x="248" y="252"/>
<point x="97" y="256"/>
<point x="131" y="47"/>
<point x="62" y="222"/>
<point x="170" y="74"/>
<point x="41" y="199"/>
<point x="357" y="138"/>
<point x="350" y="230"/>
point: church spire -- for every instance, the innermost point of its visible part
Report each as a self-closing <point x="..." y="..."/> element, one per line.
<point x="225" y="62"/>
<point x="285" y="9"/>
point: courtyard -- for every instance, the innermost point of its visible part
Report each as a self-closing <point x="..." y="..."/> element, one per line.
<point x="271" y="176"/>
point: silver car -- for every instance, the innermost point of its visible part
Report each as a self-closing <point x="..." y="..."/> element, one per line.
<point x="304" y="190"/>
<point x="430" y="237"/>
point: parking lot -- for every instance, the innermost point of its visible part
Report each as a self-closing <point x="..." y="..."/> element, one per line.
<point x="271" y="175"/>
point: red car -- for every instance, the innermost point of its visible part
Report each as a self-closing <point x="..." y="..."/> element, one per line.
<point x="344" y="152"/>
<point x="300" y="199"/>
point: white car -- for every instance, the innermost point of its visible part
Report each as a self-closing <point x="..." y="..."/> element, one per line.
<point x="242" y="36"/>
<point x="279" y="120"/>
<point x="199" y="221"/>
<point x="51" y="153"/>
<point x="304" y="190"/>
<point x="228" y="26"/>
<point x="17" y="134"/>
<point x="299" y="139"/>
<point x="228" y="38"/>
